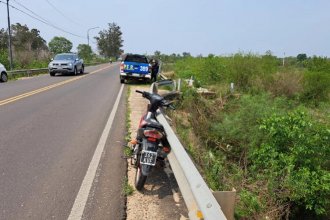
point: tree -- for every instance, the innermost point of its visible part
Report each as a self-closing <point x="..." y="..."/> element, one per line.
<point x="110" y="41"/>
<point x="60" y="45"/>
<point x="27" y="45"/>
<point x="37" y="42"/>
<point x="4" y="47"/>
<point x="85" y="52"/>
<point x="186" y="54"/>
<point x="3" y="39"/>
<point x="301" y="57"/>
<point x="157" y="54"/>
<point x="21" y="37"/>
<point x="269" y="53"/>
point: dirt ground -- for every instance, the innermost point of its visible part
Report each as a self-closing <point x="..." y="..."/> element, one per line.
<point x="161" y="197"/>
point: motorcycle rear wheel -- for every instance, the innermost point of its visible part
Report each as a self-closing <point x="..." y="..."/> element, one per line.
<point x="140" y="179"/>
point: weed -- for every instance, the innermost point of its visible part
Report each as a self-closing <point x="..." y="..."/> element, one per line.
<point x="127" y="151"/>
<point x="127" y="188"/>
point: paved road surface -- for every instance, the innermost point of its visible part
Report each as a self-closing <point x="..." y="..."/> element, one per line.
<point x="49" y="130"/>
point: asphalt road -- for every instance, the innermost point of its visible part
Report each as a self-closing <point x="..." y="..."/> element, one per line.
<point x="49" y="130"/>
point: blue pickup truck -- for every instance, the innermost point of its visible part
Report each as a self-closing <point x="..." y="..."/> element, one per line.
<point x="135" y="66"/>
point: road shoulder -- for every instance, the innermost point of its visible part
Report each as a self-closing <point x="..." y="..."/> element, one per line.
<point x="161" y="198"/>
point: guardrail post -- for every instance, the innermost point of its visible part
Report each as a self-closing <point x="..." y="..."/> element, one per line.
<point x="231" y="87"/>
<point x="226" y="200"/>
<point x="179" y="85"/>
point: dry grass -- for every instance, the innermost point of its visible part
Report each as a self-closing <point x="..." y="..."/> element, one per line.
<point x="287" y="84"/>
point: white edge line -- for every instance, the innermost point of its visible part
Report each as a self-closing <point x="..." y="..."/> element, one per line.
<point x="82" y="196"/>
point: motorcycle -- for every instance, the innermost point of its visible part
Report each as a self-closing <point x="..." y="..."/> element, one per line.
<point x="151" y="145"/>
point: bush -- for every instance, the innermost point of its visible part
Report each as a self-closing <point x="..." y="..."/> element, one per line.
<point x="238" y="127"/>
<point x="205" y="71"/>
<point x="294" y="159"/>
<point x="316" y="87"/>
<point x="242" y="69"/>
<point x="318" y="64"/>
<point x="4" y="58"/>
<point x="287" y="84"/>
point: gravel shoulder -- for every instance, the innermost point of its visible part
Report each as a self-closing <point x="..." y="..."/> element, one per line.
<point x="161" y="197"/>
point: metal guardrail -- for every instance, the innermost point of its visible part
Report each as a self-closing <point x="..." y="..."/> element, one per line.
<point x="27" y="72"/>
<point x="198" y="197"/>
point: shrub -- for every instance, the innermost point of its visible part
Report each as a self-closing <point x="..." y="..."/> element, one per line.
<point x="316" y="87"/>
<point x="238" y="127"/>
<point x="205" y="71"/>
<point x="4" y="58"/>
<point x="318" y="64"/>
<point x="287" y="84"/>
<point x="242" y="69"/>
<point x="294" y="159"/>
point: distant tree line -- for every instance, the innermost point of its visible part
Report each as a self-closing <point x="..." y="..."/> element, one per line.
<point x="30" y="50"/>
<point x="27" y="45"/>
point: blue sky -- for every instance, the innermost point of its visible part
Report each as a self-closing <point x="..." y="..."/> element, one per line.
<point x="219" y="27"/>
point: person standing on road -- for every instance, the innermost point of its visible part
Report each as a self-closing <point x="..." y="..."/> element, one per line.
<point x="154" y="70"/>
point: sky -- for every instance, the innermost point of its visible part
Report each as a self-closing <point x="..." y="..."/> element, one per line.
<point x="200" y="27"/>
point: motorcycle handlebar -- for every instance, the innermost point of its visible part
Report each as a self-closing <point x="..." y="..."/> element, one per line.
<point x="163" y="102"/>
<point x="168" y="105"/>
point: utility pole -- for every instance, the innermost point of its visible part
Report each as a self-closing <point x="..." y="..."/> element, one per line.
<point x="9" y="39"/>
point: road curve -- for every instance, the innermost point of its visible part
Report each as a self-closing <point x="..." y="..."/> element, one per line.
<point x="48" y="138"/>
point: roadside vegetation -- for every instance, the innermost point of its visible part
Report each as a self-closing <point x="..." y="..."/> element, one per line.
<point x="269" y="138"/>
<point x="31" y="51"/>
<point x="128" y="190"/>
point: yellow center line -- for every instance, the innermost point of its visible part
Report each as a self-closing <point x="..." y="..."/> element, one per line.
<point x="46" y="88"/>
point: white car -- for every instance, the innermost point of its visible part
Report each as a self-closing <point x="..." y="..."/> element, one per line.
<point x="4" y="75"/>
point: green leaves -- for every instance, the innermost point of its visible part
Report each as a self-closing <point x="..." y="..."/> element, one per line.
<point x="297" y="151"/>
<point x="316" y="87"/>
<point x="110" y="41"/>
<point x="85" y="52"/>
<point x="249" y="204"/>
<point x="60" y="45"/>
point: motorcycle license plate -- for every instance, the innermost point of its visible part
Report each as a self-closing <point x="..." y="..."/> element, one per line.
<point x="148" y="158"/>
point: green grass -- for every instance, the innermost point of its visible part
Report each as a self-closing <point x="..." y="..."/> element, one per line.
<point x="128" y="114"/>
<point x="128" y="190"/>
<point x="127" y="151"/>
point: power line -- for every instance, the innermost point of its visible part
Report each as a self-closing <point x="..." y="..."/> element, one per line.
<point x="48" y="22"/>
<point x="60" y="12"/>
<point x="35" y="14"/>
<point x="41" y="20"/>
